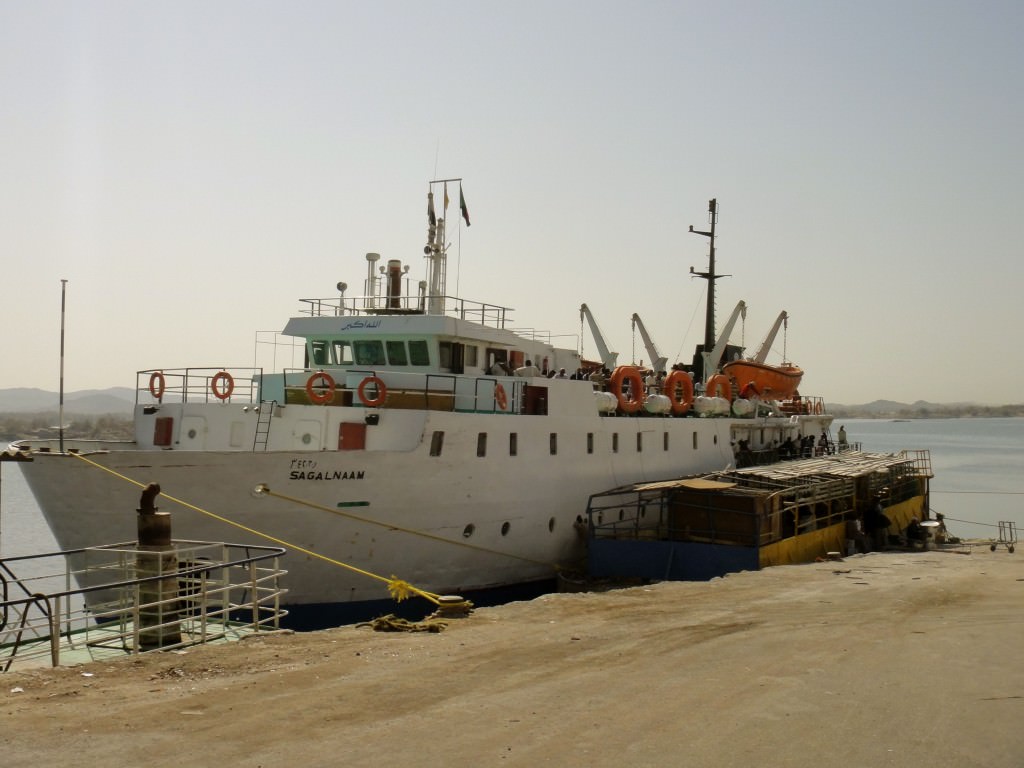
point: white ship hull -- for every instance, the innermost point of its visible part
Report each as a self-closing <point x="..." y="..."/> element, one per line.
<point x="510" y="518"/>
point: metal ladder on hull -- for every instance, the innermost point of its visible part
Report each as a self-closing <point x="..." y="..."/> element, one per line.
<point x="266" y="412"/>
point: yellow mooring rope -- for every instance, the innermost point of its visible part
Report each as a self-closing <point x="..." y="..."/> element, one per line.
<point x="399" y="589"/>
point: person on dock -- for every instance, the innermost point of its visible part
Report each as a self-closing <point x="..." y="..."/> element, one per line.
<point x="876" y="524"/>
<point x="915" y="534"/>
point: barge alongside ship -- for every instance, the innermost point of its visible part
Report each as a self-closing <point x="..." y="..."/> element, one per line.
<point x="746" y="519"/>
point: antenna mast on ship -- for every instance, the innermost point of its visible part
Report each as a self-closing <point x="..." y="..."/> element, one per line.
<point x="710" y="276"/>
<point x="436" y="249"/>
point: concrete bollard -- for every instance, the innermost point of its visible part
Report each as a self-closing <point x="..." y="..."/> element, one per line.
<point x="159" y="624"/>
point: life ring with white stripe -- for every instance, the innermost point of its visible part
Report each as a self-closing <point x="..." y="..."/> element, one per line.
<point x="222" y="393"/>
<point x="157" y="384"/>
<point x="719" y="383"/>
<point x="322" y="393"/>
<point x="680" y="400"/>
<point x="382" y="392"/>
<point x="619" y="376"/>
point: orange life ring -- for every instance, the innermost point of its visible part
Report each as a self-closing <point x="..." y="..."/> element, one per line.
<point x="157" y="384"/>
<point x="631" y="374"/>
<point x="818" y="409"/>
<point x="320" y="396"/>
<point x="500" y="397"/>
<point x="382" y="392"/>
<point x="718" y="383"/>
<point x="229" y="385"/>
<point x="673" y="383"/>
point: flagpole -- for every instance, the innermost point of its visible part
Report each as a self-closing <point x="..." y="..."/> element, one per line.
<point x="60" y="416"/>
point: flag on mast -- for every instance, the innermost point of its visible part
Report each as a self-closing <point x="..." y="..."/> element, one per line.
<point x="446" y="199"/>
<point x="431" y="217"/>
<point x="462" y="206"/>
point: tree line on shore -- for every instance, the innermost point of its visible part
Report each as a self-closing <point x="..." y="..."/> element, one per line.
<point x="14" y="426"/>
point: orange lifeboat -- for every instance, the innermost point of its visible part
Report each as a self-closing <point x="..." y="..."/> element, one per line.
<point x="772" y="382"/>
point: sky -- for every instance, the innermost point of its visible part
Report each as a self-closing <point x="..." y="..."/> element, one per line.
<point x="193" y="169"/>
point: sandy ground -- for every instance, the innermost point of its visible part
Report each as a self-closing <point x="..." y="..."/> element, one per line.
<point x="904" y="659"/>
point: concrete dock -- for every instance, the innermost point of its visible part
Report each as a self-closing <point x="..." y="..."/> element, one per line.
<point x="894" y="659"/>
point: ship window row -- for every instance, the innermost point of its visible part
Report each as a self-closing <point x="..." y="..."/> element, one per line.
<point x="371" y="352"/>
<point x="437" y="443"/>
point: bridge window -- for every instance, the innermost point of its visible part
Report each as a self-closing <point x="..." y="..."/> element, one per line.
<point x="396" y="353"/>
<point x="319" y="350"/>
<point x="418" y="353"/>
<point x="369" y="352"/>
<point x="343" y="353"/>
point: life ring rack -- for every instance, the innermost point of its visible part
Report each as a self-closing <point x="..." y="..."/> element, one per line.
<point x="673" y="383"/>
<point x="382" y="392"/>
<point x="323" y="394"/>
<point x="222" y="393"/>
<point x="157" y="384"/>
<point x="619" y="376"/>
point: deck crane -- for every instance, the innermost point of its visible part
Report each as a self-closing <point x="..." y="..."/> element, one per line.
<point x="608" y="358"/>
<point x="714" y="357"/>
<point x="766" y="345"/>
<point x="657" y="361"/>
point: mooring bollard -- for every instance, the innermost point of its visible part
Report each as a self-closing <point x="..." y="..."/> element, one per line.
<point x="159" y="608"/>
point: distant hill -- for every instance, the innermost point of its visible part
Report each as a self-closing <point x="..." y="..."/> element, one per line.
<point x="921" y="409"/>
<point x="86" y="402"/>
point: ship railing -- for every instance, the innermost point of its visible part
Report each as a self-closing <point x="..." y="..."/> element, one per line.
<point x="93" y="603"/>
<point x="402" y="390"/>
<point x="492" y="315"/>
<point x="806" y="405"/>
<point x="921" y="460"/>
<point x="197" y="385"/>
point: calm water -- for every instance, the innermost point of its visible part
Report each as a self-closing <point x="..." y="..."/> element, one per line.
<point x="978" y="466"/>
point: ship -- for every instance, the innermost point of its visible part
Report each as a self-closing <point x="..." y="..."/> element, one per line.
<point x="418" y="437"/>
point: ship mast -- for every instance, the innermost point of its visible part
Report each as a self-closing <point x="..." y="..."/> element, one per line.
<point x="710" y="276"/>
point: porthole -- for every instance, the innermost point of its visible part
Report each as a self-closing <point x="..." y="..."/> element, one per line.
<point x="551" y="525"/>
<point x="191" y="434"/>
<point x="468" y="531"/>
<point x="505" y="528"/>
<point x="307" y="439"/>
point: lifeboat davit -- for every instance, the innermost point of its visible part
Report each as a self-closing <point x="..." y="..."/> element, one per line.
<point x="770" y="382"/>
